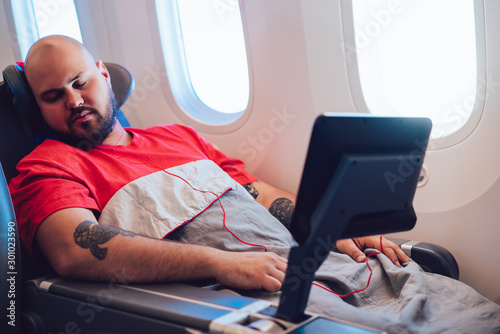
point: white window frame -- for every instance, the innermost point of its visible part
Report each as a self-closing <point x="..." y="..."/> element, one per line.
<point x="481" y="82"/>
<point x="27" y="29"/>
<point x="25" y="23"/>
<point x="178" y="76"/>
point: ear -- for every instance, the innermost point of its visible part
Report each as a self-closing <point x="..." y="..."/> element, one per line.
<point x="104" y="71"/>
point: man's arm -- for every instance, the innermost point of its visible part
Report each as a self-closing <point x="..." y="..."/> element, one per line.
<point x="78" y="247"/>
<point x="281" y="204"/>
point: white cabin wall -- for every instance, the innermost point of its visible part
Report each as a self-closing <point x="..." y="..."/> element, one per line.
<point x="327" y="61"/>
<point x="459" y="207"/>
<point x="119" y="31"/>
<point x="8" y="38"/>
<point x="272" y="140"/>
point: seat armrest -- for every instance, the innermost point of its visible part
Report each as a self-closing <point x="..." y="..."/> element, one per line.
<point x="432" y="258"/>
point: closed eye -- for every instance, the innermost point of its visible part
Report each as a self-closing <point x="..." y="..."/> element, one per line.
<point x="80" y="85"/>
<point x="52" y="97"/>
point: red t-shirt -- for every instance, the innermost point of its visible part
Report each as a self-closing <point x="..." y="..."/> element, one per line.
<point x="57" y="176"/>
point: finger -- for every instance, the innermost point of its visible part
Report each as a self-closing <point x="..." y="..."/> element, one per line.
<point x="279" y="275"/>
<point x="281" y="259"/>
<point x="395" y="253"/>
<point x="402" y="255"/>
<point x="391" y="254"/>
<point x="272" y="284"/>
<point x="348" y="247"/>
<point x="281" y="266"/>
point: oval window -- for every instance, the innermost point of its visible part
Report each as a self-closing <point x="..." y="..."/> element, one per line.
<point x="205" y="56"/>
<point x="418" y="58"/>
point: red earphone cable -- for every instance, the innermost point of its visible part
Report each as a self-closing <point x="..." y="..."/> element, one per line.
<point x="369" y="277"/>
<point x="203" y="191"/>
<point x="223" y="211"/>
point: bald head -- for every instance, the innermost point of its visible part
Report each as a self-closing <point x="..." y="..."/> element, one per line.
<point x="50" y="51"/>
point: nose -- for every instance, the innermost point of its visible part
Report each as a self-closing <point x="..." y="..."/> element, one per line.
<point x="73" y="99"/>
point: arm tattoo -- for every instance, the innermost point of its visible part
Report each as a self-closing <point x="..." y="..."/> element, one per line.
<point x="282" y="208"/>
<point x="252" y="190"/>
<point x="87" y="237"/>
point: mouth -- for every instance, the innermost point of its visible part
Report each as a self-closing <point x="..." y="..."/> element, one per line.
<point x="81" y="117"/>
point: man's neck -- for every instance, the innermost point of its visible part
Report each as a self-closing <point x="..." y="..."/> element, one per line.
<point x="118" y="137"/>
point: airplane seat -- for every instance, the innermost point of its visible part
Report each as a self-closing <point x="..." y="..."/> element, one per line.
<point x="17" y="138"/>
<point x="16" y="141"/>
<point x="122" y="83"/>
<point x="10" y="255"/>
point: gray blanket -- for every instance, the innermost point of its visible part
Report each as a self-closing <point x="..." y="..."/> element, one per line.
<point x="398" y="300"/>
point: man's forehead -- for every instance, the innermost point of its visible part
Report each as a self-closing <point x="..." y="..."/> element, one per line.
<point x="49" y="75"/>
<point x="54" y="50"/>
<point x="51" y="67"/>
<point x="51" y="55"/>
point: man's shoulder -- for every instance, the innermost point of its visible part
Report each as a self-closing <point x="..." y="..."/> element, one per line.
<point x="45" y="158"/>
<point x="169" y="130"/>
<point x="49" y="149"/>
<point x="168" y="127"/>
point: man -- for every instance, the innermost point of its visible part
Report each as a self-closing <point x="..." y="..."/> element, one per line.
<point x="102" y="205"/>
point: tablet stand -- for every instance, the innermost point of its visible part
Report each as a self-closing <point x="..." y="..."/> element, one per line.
<point x="367" y="195"/>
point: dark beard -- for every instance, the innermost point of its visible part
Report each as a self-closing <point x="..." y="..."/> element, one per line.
<point x="93" y="136"/>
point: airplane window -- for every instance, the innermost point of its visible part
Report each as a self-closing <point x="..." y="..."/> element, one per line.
<point x="35" y="19"/>
<point x="207" y="37"/>
<point x="57" y="17"/>
<point x="418" y="58"/>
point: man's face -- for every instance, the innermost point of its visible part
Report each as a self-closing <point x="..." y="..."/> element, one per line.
<point x="74" y="95"/>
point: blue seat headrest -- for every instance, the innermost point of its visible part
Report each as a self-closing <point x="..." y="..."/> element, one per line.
<point x="23" y="100"/>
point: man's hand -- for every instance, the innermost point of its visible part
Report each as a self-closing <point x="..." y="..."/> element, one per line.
<point x="354" y="248"/>
<point x="251" y="270"/>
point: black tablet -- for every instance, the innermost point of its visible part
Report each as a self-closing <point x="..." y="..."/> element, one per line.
<point x="363" y="141"/>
